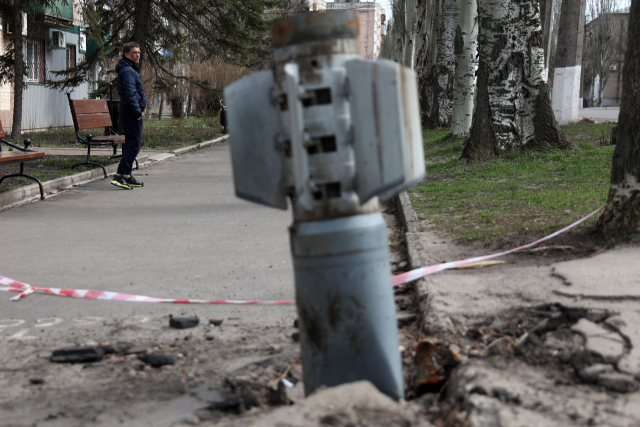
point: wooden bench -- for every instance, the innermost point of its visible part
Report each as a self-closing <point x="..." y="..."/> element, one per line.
<point x="20" y="156"/>
<point x="94" y="113"/>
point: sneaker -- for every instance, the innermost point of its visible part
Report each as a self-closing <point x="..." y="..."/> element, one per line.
<point x="120" y="181"/>
<point x="130" y="179"/>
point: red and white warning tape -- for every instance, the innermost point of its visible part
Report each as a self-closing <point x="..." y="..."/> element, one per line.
<point x="24" y="289"/>
<point x="418" y="273"/>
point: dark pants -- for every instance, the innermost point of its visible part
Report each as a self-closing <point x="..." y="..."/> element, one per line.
<point x="132" y="141"/>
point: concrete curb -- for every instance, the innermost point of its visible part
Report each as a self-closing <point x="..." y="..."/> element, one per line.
<point x="433" y="321"/>
<point x="23" y="194"/>
<point x="203" y="144"/>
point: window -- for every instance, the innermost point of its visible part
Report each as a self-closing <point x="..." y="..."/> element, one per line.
<point x="71" y="58"/>
<point x="34" y="60"/>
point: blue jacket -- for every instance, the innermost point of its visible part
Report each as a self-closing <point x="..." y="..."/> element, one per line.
<point x="132" y="98"/>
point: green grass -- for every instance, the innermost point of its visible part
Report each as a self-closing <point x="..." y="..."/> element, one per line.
<point x="167" y="134"/>
<point x="523" y="193"/>
<point x="48" y="168"/>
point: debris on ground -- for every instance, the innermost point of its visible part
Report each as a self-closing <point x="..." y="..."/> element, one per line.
<point x="183" y="322"/>
<point x="77" y="355"/>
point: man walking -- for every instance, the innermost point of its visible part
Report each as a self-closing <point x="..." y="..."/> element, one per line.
<point x="132" y="105"/>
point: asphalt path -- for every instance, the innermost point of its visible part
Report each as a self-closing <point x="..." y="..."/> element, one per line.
<point x="184" y="235"/>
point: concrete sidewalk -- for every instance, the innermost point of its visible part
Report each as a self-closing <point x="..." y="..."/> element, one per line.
<point x="600" y="114"/>
<point x="602" y="290"/>
<point x="184" y="235"/>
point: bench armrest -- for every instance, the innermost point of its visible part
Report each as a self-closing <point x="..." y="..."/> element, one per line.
<point x="10" y="144"/>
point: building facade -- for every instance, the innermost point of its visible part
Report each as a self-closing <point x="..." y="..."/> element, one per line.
<point x="612" y="92"/>
<point x="52" y="42"/>
<point x="371" y="16"/>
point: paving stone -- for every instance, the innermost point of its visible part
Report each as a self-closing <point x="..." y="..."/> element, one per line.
<point x="77" y="355"/>
<point x="183" y="322"/>
<point x="628" y="323"/>
<point x="622" y="383"/>
<point x="606" y="344"/>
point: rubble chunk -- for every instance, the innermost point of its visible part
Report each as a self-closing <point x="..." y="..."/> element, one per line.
<point x="158" y="360"/>
<point x="405" y="318"/>
<point x="216" y="322"/>
<point x="601" y="342"/>
<point x="622" y="383"/>
<point x="183" y="322"/>
<point x="590" y="374"/>
<point x="77" y="355"/>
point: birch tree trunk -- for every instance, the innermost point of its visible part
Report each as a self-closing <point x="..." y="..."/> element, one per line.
<point x="465" y="50"/>
<point x="410" y="19"/>
<point x="622" y="214"/>
<point x="513" y="109"/>
<point x="18" y="70"/>
<point x="441" y="74"/>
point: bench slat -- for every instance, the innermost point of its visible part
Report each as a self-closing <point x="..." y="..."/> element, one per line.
<point x="12" y="156"/>
<point x="89" y="106"/>
<point x="110" y="138"/>
<point x="95" y="120"/>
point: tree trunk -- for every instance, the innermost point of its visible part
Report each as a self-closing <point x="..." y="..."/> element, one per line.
<point x="161" y="109"/>
<point x="18" y="71"/>
<point x="428" y="18"/>
<point x="513" y="108"/>
<point x="441" y="75"/>
<point x="141" y="26"/>
<point x="622" y="214"/>
<point x="408" y="44"/>
<point x="465" y="49"/>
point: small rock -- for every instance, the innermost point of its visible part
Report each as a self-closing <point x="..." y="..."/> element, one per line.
<point x="36" y="381"/>
<point x="504" y="395"/>
<point x="405" y="319"/>
<point x="77" y="355"/>
<point x="183" y="322"/>
<point x="478" y="389"/>
<point x="295" y="336"/>
<point x="296" y="324"/>
<point x="275" y="348"/>
<point x="591" y="373"/>
<point x="122" y="347"/>
<point x="158" y="360"/>
<point x="209" y="337"/>
<point x="216" y="322"/>
<point x="403" y="264"/>
<point x="622" y="383"/>
<point x="496" y="325"/>
<point x="137" y="349"/>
